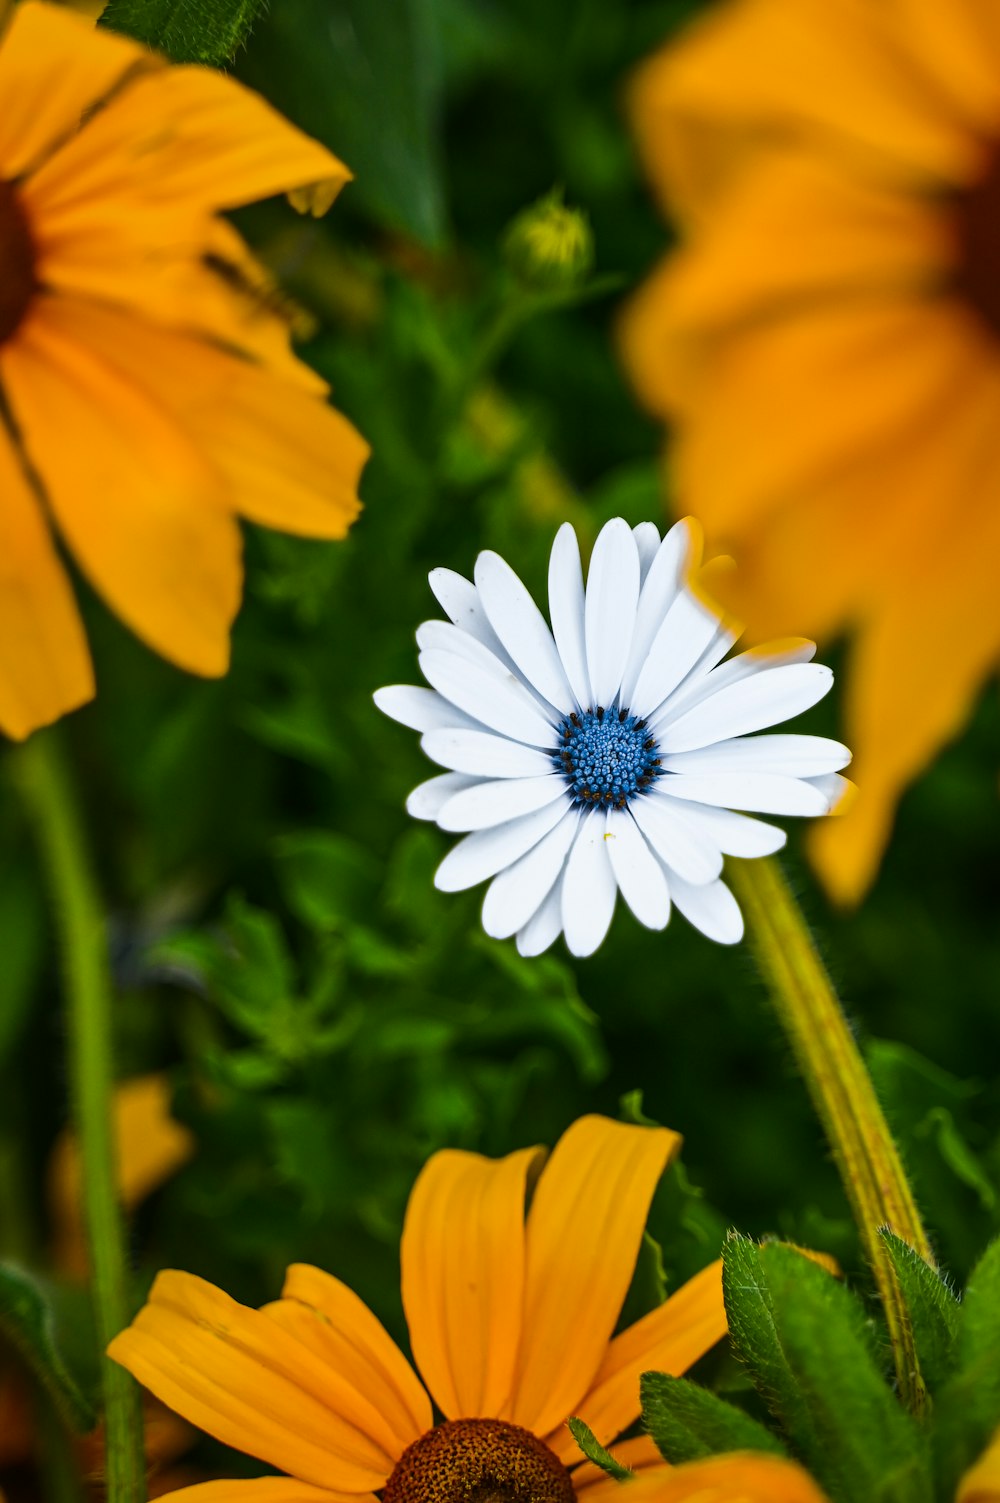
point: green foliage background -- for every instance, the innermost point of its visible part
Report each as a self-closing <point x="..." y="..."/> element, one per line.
<point x="328" y="1019"/>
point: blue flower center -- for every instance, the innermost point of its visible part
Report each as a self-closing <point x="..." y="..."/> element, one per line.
<point x="606" y="756"/>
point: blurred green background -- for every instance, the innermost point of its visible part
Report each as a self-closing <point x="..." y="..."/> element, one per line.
<point x="327" y="1018"/>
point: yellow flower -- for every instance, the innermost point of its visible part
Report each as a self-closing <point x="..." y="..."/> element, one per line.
<point x="511" y="1323"/>
<point x="745" y="1477"/>
<point x="828" y="342"/>
<point x="148" y="392"/>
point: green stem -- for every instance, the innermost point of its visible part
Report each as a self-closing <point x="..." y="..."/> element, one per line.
<point x="45" y="783"/>
<point x="841" y="1091"/>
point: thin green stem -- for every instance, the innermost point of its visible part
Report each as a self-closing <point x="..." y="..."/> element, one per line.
<point x="842" y="1093"/>
<point x="45" y="783"/>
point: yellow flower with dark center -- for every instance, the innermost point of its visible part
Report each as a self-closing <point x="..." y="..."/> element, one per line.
<point x="511" y="1322"/>
<point x="827" y="341"/>
<point x="148" y="392"/>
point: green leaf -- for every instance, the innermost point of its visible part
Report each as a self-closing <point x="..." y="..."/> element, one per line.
<point x="327" y="879"/>
<point x="595" y="1452"/>
<point x="366" y="81"/>
<point x="26" y="1321"/>
<point x="968" y="1408"/>
<point x="188" y="31"/>
<point x="648" y="1288"/>
<point x="810" y="1352"/>
<point x="933" y="1308"/>
<point x="687" y="1422"/>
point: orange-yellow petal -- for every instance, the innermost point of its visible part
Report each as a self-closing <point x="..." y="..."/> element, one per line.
<point x="463" y="1258"/>
<point x="583" y="1234"/>
<point x="45" y="668"/>
<point x="151" y="1146"/>
<point x="53" y="66"/>
<point x="264" y="1490"/>
<point x="667" y="1340"/>
<point x="737" y="1477"/>
<point x="639" y="1454"/>
<point x="327" y="1316"/>
<point x="235" y="1373"/>
<point x="132" y="496"/>
<point x="285" y="457"/>
<point x="957" y="47"/>
<point x="981" y="1484"/>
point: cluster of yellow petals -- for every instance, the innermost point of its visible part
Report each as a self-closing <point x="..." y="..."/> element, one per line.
<point x="826" y="343"/>
<point x="149" y="396"/>
<point x="511" y="1317"/>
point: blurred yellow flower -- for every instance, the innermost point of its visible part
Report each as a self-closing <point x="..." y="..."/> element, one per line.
<point x="827" y="340"/>
<point x="511" y="1321"/>
<point x="148" y="392"/>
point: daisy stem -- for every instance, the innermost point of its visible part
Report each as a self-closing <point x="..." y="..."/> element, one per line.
<point x="842" y="1093"/>
<point x="45" y="783"/>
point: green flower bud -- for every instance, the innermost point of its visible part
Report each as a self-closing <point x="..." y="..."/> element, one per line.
<point x="548" y="246"/>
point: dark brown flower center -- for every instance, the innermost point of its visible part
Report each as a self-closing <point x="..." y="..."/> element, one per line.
<point x="479" y="1461"/>
<point x="17" y="261"/>
<point x="978" y="218"/>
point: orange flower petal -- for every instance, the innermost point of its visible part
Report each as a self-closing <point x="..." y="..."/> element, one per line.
<point x="45" y="669"/>
<point x="738" y="1477"/>
<point x="132" y="497"/>
<point x="640" y="1456"/>
<point x="53" y="65"/>
<point x="463" y="1277"/>
<point x="583" y="1235"/>
<point x="264" y="1490"/>
<point x="957" y="47"/>
<point x="287" y="459"/>
<point x="338" y="1326"/>
<point x="235" y="1373"/>
<point x="667" y="1340"/>
<point x="190" y="135"/>
<point x="981" y="1484"/>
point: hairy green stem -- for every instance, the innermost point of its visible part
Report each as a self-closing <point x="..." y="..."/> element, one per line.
<point x="43" y="778"/>
<point x="842" y="1093"/>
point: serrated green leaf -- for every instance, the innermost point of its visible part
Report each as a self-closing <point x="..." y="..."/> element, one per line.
<point x="687" y="1422"/>
<point x="968" y="1408"/>
<point x="26" y="1322"/>
<point x="809" y="1349"/>
<point x="366" y="81"/>
<point x="648" y="1288"/>
<point x="933" y="1310"/>
<point x="188" y="31"/>
<point x="595" y="1452"/>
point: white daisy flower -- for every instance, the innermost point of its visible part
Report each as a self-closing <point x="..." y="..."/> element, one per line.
<point x="609" y="752"/>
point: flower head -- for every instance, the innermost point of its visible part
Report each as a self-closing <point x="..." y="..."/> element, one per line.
<point x="511" y="1323"/>
<point x="827" y="342"/>
<point x="610" y="752"/>
<point x="148" y="392"/>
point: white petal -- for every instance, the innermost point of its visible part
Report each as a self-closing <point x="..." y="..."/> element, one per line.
<point x="833" y="788"/>
<point x="485" y="755"/>
<point x="677" y="838"/>
<point x="544" y="927"/>
<point x="488" y="804"/>
<point x="647" y="540"/>
<point x="494" y="697"/>
<point x="760" y="792"/>
<point x="687" y="630"/>
<point x="459" y="599"/>
<point x="428" y="799"/>
<point x="659" y="589"/>
<point x="522" y="629"/>
<point x="486" y="852"/>
<point x="588" y="886"/>
<point x="566" y="609"/>
<point x="520" y="890"/>
<point x="609" y="617"/>
<point x="699" y="687"/>
<point x="748" y="705"/>
<point x="736" y="834"/>
<point x="421" y="709"/>
<point x="791" y="756"/>
<point x="638" y="873"/>
<point x="711" y="908"/>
